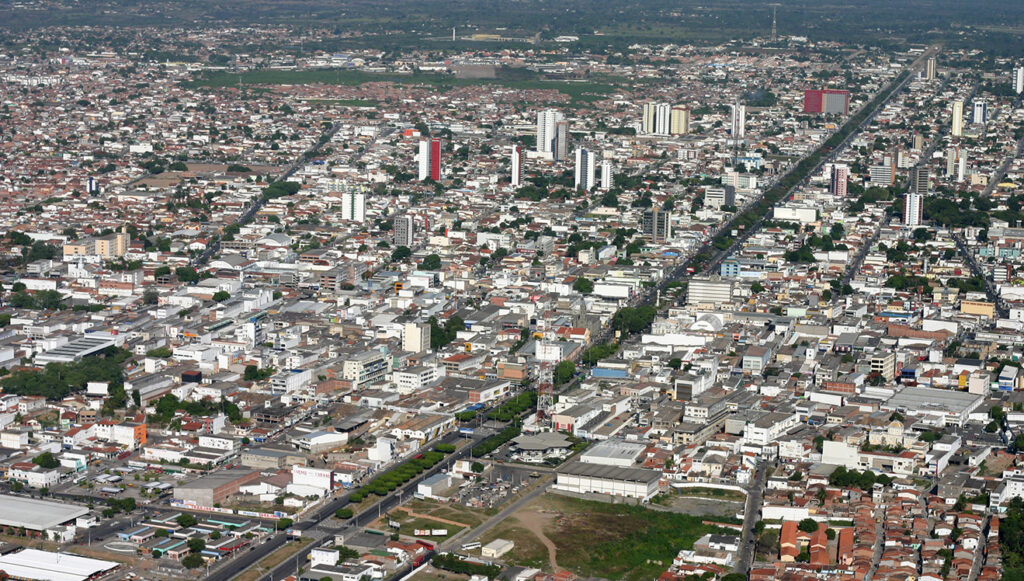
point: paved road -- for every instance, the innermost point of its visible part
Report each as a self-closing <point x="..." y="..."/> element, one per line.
<point x="751" y="513"/>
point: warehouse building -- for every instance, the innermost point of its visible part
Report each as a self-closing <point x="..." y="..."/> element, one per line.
<point x="37" y="515"/>
<point x="953" y="407"/>
<point x="582" y="478"/>
<point x="214" y="488"/>
<point x="36" y="564"/>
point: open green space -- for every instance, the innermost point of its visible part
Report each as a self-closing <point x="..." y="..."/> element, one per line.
<point x="582" y="91"/>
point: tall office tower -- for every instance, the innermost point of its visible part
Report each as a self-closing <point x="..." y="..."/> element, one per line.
<point x="518" y="156"/>
<point x="930" y="71"/>
<point x="547" y="122"/>
<point x="918" y="180"/>
<point x="913" y="209"/>
<point x="649" y="121"/>
<point x="951" y="156"/>
<point x="840" y="177"/>
<point x="404" y="230"/>
<point x="679" y="123"/>
<point x="738" y="127"/>
<point x="980" y="113"/>
<point x="435" y="159"/>
<point x="416" y="337"/>
<point x="561" y="146"/>
<point x="958" y="119"/>
<point x="657" y="225"/>
<point x="423" y="158"/>
<point x="607" y="175"/>
<point x="663" y="119"/>
<point x="353" y="206"/>
<point x="1018" y="80"/>
<point x="585" y="169"/>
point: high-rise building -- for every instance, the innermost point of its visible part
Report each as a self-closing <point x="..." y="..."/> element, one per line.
<point x="663" y="119"/>
<point x="547" y="131"/>
<point x="1018" y="80"/>
<point x="404" y="230"/>
<point x="980" y="113"/>
<point x="607" y="175"/>
<point x="518" y="156"/>
<point x="918" y="180"/>
<point x="738" y="127"/>
<point x="435" y="159"/>
<point x="561" y="144"/>
<point x="657" y="225"/>
<point x="716" y="197"/>
<point x="961" y="168"/>
<point x="951" y="156"/>
<point x="353" y="206"/>
<point x="649" y="121"/>
<point x="546" y="124"/>
<point x="958" y="119"/>
<point x="832" y="101"/>
<point x="930" y="69"/>
<point x="585" y="169"/>
<point x="680" y="120"/>
<point x="423" y="160"/>
<point x="913" y="209"/>
<point x="840" y="177"/>
<point x="416" y="337"/>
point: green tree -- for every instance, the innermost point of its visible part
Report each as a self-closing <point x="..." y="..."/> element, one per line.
<point x="564" y="371"/>
<point x="431" y="262"/>
<point x="476" y="467"/>
<point x="221" y="296"/>
<point x="401" y="253"/>
<point x="150" y="297"/>
<point x="343" y="513"/>
<point x="808" y="525"/>
<point x="196" y="545"/>
<point x="583" y="286"/>
<point x="186" y="520"/>
<point x="46" y="460"/>
<point x="192" y="561"/>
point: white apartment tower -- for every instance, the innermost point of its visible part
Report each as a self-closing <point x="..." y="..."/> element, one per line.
<point x="913" y="209"/>
<point x="607" y="175"/>
<point x="353" y="206"/>
<point x="518" y="156"/>
<point x="739" y="121"/>
<point x="547" y="130"/>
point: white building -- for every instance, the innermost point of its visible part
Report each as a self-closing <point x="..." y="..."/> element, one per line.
<point x="739" y="121"/>
<point x="353" y="206"/>
<point x="586" y="163"/>
<point x="607" y="175"/>
<point x="913" y="209"/>
<point x="547" y="129"/>
<point x="583" y="478"/>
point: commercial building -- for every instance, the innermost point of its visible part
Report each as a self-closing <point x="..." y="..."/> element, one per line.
<point x="76" y="349"/>
<point x="614" y="453"/>
<point x="214" y="488"/>
<point x="953" y="406"/>
<point x="581" y="478"/>
<point x="718" y="197"/>
<point x="930" y="70"/>
<point x="416" y="337"/>
<point x="657" y="225"/>
<point x="496" y="548"/>
<point x="37" y="515"/>
<point x="980" y="112"/>
<point x="712" y="290"/>
<point x="919" y="180"/>
<point x="36" y="564"/>
<point x="829" y="101"/>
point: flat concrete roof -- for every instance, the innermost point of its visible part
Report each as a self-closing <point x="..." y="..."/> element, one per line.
<point x="36" y="515"/>
<point x="216" y="479"/>
<point x="46" y="566"/>
<point x="613" y="450"/>
<point x="76" y="349"/>
<point x="577" y="468"/>
<point x="929" y="399"/>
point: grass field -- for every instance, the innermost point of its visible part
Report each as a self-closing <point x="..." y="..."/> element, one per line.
<point x="596" y="539"/>
<point x="411" y="523"/>
<point x="713" y="493"/>
<point x="528" y="551"/>
<point x="578" y="91"/>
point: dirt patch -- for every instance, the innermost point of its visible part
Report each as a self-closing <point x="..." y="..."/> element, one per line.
<point x="535" y="522"/>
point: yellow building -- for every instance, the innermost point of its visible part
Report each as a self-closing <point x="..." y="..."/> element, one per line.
<point x="109" y="246"/>
<point x="980" y="308"/>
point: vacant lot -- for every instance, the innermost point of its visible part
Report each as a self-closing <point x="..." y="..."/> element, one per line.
<point x="595" y="539"/>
